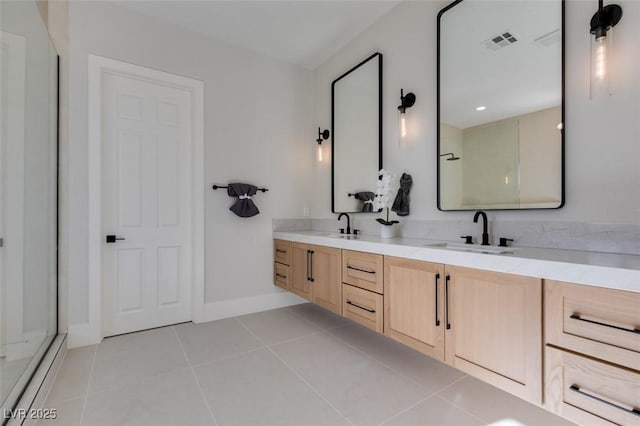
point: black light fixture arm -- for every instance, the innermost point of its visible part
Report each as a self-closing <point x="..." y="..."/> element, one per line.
<point x="323" y="135"/>
<point x="406" y="101"/>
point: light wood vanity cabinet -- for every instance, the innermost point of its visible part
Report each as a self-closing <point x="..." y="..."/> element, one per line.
<point x="484" y="323"/>
<point x="316" y="275"/>
<point x="281" y="263"/>
<point x="282" y="252"/>
<point x="592" y="356"/>
<point x="590" y="392"/>
<point x="494" y="329"/>
<point x="364" y="270"/>
<point x="414" y="304"/>
<point x="597" y="322"/>
<point x="300" y="283"/>
<point x="362" y="288"/>
<point x="363" y="306"/>
<point x="326" y="271"/>
<point x="489" y="325"/>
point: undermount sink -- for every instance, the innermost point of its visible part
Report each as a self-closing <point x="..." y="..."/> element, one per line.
<point x="472" y="248"/>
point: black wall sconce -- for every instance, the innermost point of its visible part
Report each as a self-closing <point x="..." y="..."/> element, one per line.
<point x="601" y="23"/>
<point x="323" y="135"/>
<point x="406" y="101"/>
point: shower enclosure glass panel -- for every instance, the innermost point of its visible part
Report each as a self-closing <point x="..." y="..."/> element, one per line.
<point x="28" y="195"/>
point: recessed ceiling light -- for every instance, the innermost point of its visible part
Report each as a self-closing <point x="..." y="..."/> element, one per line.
<point x="481" y="108"/>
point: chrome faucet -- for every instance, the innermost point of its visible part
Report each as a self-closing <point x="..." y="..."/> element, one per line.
<point x="485" y="234"/>
<point x="348" y="223"/>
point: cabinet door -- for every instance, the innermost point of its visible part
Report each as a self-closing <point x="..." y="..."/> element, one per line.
<point x="326" y="271"/>
<point x="299" y="282"/>
<point x="414" y="304"/>
<point x="494" y="329"/>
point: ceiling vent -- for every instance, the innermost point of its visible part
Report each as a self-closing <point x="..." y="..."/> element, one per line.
<point x="549" y="39"/>
<point x="499" y="41"/>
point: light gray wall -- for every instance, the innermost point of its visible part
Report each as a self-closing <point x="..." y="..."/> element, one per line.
<point x="257" y="129"/>
<point x="602" y="136"/>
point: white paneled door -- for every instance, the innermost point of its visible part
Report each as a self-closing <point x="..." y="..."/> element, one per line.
<point x="146" y="203"/>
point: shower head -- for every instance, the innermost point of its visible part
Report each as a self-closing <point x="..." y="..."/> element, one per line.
<point x="451" y="156"/>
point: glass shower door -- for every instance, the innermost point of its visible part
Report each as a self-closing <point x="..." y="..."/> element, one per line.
<point x="28" y="196"/>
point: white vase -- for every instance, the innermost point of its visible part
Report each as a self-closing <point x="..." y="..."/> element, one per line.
<point x="387" y="231"/>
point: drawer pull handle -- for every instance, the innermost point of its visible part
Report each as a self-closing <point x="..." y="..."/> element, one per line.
<point x="590" y="321"/>
<point x="447" y="278"/>
<point x="284" y="277"/>
<point x="281" y="251"/>
<point x="361" y="270"/>
<point x="349" y="302"/>
<point x="437" y="316"/>
<point x="310" y="266"/>
<point x="595" y="396"/>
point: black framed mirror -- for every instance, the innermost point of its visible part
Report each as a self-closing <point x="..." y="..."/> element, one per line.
<point x="500" y="105"/>
<point x="356" y="136"/>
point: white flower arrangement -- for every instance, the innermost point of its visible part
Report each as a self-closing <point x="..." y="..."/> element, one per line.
<point x="384" y="195"/>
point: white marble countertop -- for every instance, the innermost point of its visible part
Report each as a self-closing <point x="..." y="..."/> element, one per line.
<point x="616" y="271"/>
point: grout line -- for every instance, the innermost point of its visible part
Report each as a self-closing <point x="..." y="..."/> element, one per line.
<point x="464" y="410"/>
<point x="451" y="384"/>
<point x="86" y="392"/>
<point x="404" y="376"/>
<point x="138" y="380"/>
<point x="226" y="357"/>
<point x="407" y="409"/>
<point x="435" y="395"/>
<point x="318" y="330"/>
<point x="195" y="377"/>
<point x="313" y="389"/>
<point x="294" y="339"/>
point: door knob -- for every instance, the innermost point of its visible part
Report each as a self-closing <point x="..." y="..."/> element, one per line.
<point x="113" y="238"/>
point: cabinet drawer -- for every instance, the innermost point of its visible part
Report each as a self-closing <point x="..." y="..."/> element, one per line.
<point x="364" y="270"/>
<point x="587" y="391"/>
<point x="281" y="275"/>
<point x="599" y="322"/>
<point x="282" y="251"/>
<point x="362" y="306"/>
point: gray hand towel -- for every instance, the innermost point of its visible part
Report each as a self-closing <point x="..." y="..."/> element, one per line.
<point x="367" y="197"/>
<point x="401" y="203"/>
<point x="243" y="207"/>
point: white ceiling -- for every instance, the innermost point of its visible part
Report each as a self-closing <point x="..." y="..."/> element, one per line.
<point x="302" y="32"/>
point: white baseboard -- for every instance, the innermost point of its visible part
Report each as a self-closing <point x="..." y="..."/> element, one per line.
<point x="248" y="305"/>
<point x="82" y="335"/>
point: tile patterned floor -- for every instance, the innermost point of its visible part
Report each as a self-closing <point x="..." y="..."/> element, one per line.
<point x="294" y="366"/>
